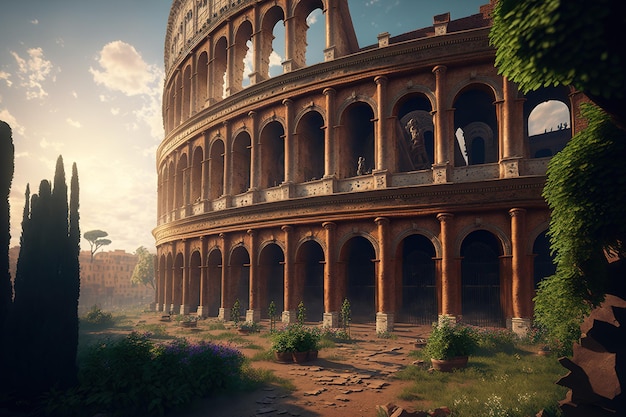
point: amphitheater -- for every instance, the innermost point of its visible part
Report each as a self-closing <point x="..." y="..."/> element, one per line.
<point x="400" y="176"/>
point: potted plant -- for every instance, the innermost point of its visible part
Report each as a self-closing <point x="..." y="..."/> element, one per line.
<point x="249" y="327"/>
<point x="449" y="345"/>
<point x="189" y="321"/>
<point x="295" y="342"/>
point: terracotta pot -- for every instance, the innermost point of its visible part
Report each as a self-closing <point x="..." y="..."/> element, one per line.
<point x="312" y="355"/>
<point x="283" y="357"/>
<point x="189" y="323"/>
<point x="300" y="357"/>
<point x="449" y="365"/>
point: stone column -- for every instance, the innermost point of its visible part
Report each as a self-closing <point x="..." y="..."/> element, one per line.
<point x="204" y="191"/>
<point x="203" y="308"/>
<point x="512" y="131"/>
<point x="254" y="313"/>
<point x="331" y="12"/>
<point x="288" y="140"/>
<point x="329" y="142"/>
<point x="288" y="64"/>
<point x="332" y="294"/>
<point x="289" y="313"/>
<point x="227" y="161"/>
<point x="224" y="311"/>
<point x="381" y="139"/>
<point x="385" y="285"/>
<point x="449" y="281"/>
<point x="522" y="310"/>
<point x="184" y="307"/>
<point x="443" y="153"/>
<point x="254" y="185"/>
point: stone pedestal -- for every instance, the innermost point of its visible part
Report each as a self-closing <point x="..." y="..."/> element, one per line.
<point x="224" y="314"/>
<point x="203" y="311"/>
<point x="381" y="178"/>
<point x="290" y="317"/>
<point x="253" y="316"/>
<point x="441" y="173"/>
<point x="331" y="320"/>
<point x="184" y="309"/>
<point x="384" y="322"/>
<point x="450" y="318"/>
<point x="510" y="167"/>
<point x="520" y="326"/>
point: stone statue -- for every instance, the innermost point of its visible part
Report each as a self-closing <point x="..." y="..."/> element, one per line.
<point x="360" y="168"/>
<point x="418" y="148"/>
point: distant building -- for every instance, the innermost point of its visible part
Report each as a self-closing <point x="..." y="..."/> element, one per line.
<point x="105" y="281"/>
<point x="399" y="175"/>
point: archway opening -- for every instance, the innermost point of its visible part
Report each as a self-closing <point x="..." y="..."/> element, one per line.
<point x="272" y="273"/>
<point x="358" y="257"/>
<point x="418" y="304"/>
<point x="310" y="271"/>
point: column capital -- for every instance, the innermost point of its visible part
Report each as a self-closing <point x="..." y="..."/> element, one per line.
<point x="444" y="217"/>
<point x="286" y="228"/>
<point x="251" y="232"/>
<point x="381" y="220"/>
<point x="439" y="70"/>
<point x="252" y="114"/>
<point x="329" y="225"/>
<point x="287" y="102"/>
<point x="515" y="212"/>
<point x="329" y="91"/>
<point x="380" y="79"/>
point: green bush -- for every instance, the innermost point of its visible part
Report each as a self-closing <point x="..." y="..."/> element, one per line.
<point x="96" y="317"/>
<point x="296" y="338"/>
<point x="449" y="340"/>
<point x="135" y="375"/>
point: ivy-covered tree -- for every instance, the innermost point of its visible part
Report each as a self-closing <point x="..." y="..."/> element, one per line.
<point x="550" y="42"/>
<point x="44" y="320"/>
<point x="144" y="269"/>
<point x="7" y="166"/>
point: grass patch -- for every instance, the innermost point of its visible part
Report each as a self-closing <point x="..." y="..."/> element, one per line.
<point x="502" y="384"/>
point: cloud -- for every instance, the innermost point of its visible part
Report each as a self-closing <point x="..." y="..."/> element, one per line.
<point x="275" y="60"/>
<point x="33" y="72"/>
<point x="312" y="18"/>
<point x="547" y="116"/>
<point x="12" y="121"/>
<point x="123" y="69"/>
<point x="44" y="144"/>
<point x="5" y="76"/>
<point x="34" y="22"/>
<point x="73" y="123"/>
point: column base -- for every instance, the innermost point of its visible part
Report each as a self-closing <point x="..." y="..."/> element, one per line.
<point x="203" y="311"/>
<point x="184" y="309"/>
<point x="520" y="326"/>
<point x="442" y="173"/>
<point x="449" y="317"/>
<point x="331" y="320"/>
<point x="253" y="316"/>
<point x="174" y="309"/>
<point x="510" y="167"/>
<point x="289" y="317"/>
<point x="384" y="322"/>
<point x="224" y="314"/>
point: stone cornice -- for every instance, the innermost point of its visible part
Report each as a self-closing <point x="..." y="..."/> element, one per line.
<point x="390" y="202"/>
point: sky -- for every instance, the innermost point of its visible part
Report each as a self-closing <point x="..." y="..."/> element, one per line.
<point x="83" y="79"/>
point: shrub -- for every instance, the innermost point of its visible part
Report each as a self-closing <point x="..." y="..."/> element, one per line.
<point x="135" y="375"/>
<point x="449" y="340"/>
<point x="296" y="338"/>
<point x="96" y="317"/>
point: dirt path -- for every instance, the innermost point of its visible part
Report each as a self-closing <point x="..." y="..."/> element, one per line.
<point x="349" y="379"/>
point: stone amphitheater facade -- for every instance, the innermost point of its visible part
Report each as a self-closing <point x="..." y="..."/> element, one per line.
<point x="399" y="176"/>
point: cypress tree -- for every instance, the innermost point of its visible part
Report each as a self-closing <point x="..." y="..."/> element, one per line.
<point x="7" y="166"/>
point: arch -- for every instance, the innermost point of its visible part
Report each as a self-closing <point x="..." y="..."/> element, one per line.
<point x="415" y="259"/>
<point x="171" y="186"/>
<point x="475" y="115"/>
<point x="193" y="285"/>
<point x="358" y="140"/>
<point x="216" y="169"/>
<point x="416" y="137"/>
<point x="548" y="121"/>
<point x="203" y="80"/>
<point x="310" y="147"/>
<point x="269" y="53"/>
<point x="241" y="59"/>
<point x="543" y="261"/>
<point x="356" y="257"/>
<point x="482" y="301"/>
<point x="186" y="93"/>
<point x="272" y="155"/>
<point x="271" y="276"/>
<point x="220" y="61"/>
<point x="177" y="283"/>
<point x="239" y="274"/>
<point x="310" y="275"/>
<point x="168" y="299"/>
<point x="161" y="284"/>
<point x="196" y="174"/>
<point x="503" y="239"/>
<point x="302" y="20"/>
<point x="180" y="182"/>
<point x="213" y="292"/>
<point x="240" y="173"/>
<point x="177" y="99"/>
